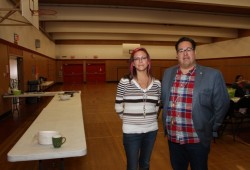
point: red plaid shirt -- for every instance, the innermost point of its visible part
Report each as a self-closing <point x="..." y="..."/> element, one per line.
<point x="179" y="116"/>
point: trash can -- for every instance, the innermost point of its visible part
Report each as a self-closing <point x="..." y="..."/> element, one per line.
<point x="33" y="86"/>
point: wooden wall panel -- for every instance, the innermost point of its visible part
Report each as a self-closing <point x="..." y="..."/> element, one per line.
<point x="5" y="104"/>
<point x="230" y="67"/>
<point x="15" y="51"/>
<point x="51" y="70"/>
<point x="159" y="66"/>
<point x="29" y="68"/>
<point x="115" y="69"/>
<point x="42" y="66"/>
<point x="121" y="72"/>
<point x="59" y="72"/>
<point x="156" y="71"/>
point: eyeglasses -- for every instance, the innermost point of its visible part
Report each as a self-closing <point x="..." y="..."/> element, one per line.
<point x="188" y="50"/>
<point x="137" y="59"/>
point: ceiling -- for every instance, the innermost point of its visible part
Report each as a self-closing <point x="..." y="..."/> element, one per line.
<point x="146" y="22"/>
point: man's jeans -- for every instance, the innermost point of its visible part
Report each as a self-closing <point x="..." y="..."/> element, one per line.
<point x="181" y="155"/>
<point x="138" y="148"/>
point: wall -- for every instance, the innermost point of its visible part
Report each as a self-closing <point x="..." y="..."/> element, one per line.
<point x="108" y="52"/>
<point x="230" y="67"/>
<point x="115" y="69"/>
<point x="5" y="104"/>
<point x="27" y="34"/>
<point x="230" y="48"/>
<point x="34" y="65"/>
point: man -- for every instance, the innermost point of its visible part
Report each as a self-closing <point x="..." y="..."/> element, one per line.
<point x="195" y="101"/>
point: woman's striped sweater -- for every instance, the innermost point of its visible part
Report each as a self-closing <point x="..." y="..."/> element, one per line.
<point x="130" y="102"/>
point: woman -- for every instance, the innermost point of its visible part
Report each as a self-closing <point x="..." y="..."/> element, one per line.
<point x="137" y="103"/>
<point x="241" y="86"/>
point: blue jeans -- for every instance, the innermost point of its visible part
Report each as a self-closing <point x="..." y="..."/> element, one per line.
<point x="181" y="155"/>
<point x="138" y="148"/>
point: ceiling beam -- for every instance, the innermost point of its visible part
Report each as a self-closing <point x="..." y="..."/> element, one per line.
<point x="132" y="28"/>
<point x="146" y="16"/>
<point x="135" y="37"/>
<point x="234" y="3"/>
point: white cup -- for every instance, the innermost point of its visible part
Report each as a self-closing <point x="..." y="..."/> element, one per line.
<point x="45" y="137"/>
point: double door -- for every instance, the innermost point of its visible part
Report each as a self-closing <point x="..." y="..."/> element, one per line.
<point x="73" y="73"/>
<point x="95" y="72"/>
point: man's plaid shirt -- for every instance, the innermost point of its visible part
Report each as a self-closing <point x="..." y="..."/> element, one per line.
<point x="179" y="116"/>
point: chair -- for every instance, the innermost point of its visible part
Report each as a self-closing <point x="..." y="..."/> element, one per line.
<point x="33" y="86"/>
<point x="243" y="103"/>
<point x="242" y="110"/>
<point x="239" y="92"/>
<point x="228" y="119"/>
<point x="238" y="113"/>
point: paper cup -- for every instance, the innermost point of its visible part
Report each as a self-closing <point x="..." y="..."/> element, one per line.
<point x="45" y="137"/>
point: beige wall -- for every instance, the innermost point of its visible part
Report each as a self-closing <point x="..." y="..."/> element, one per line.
<point x="27" y="34"/>
<point x="109" y="52"/>
<point x="230" y="48"/>
<point x="27" y="37"/>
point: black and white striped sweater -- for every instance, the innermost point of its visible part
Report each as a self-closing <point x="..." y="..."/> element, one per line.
<point x="130" y="102"/>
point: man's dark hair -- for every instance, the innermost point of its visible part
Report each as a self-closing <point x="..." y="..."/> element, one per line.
<point x="185" y="39"/>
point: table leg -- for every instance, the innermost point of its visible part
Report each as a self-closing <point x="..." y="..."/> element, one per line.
<point x="15" y="102"/>
<point x="62" y="164"/>
<point x="40" y="165"/>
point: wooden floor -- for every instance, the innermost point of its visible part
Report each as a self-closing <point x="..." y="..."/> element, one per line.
<point x="104" y="137"/>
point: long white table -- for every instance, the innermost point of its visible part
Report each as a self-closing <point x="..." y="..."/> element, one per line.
<point x="63" y="116"/>
<point x="15" y="98"/>
<point x="46" y="84"/>
<point x="31" y="94"/>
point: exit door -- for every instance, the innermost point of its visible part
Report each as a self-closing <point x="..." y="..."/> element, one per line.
<point x="95" y="72"/>
<point x="73" y="73"/>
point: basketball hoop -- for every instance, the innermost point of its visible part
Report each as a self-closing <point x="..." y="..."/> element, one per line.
<point x="43" y="12"/>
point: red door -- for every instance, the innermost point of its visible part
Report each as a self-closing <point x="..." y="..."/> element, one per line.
<point x="95" y="72"/>
<point x="73" y="73"/>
